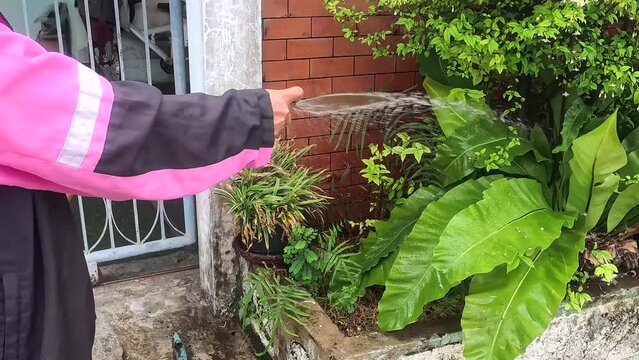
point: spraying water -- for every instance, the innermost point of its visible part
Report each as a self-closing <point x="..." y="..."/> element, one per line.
<point x="356" y="112"/>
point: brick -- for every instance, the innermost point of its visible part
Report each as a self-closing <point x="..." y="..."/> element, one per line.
<point x="313" y="87"/>
<point x="345" y="47"/>
<point x="274" y="85"/>
<point x="348" y="194"/>
<point x="287" y="28"/>
<point x="377" y="23"/>
<point x="285" y="70"/>
<point x="274" y="8"/>
<point x="332" y="67"/>
<point x="344" y="160"/>
<point x="308" y="127"/>
<point x="309" y="48"/>
<point x="340" y="178"/>
<point x="325" y="26"/>
<point x="316" y="162"/>
<point x="394" y="82"/>
<point x="339" y="212"/>
<point x="406" y="65"/>
<point x="299" y="143"/>
<point x="358" y="5"/>
<point x="357" y="178"/>
<point x="350" y="84"/>
<point x="372" y="137"/>
<point x="301" y="8"/>
<point x="369" y="65"/>
<point x="274" y="50"/>
<point x="361" y="209"/>
<point x="298" y="114"/>
<point x="324" y="144"/>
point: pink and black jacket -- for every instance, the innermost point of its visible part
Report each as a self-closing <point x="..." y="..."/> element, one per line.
<point x="64" y="128"/>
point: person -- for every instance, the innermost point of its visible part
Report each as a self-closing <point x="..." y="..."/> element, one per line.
<point x="64" y="129"/>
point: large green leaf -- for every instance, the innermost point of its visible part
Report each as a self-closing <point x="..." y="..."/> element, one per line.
<point x="626" y="201"/>
<point x="457" y="156"/>
<point x="378" y="274"/>
<point x="631" y="141"/>
<point x="601" y="193"/>
<point x="505" y="312"/>
<point x="413" y="280"/>
<point x="540" y="144"/>
<point x="453" y="115"/>
<point x="575" y="119"/>
<point x="596" y="155"/>
<point x="511" y="219"/>
<point x="527" y="165"/>
<point x="389" y="234"/>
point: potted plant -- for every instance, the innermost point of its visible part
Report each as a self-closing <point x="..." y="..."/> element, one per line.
<point x="269" y="201"/>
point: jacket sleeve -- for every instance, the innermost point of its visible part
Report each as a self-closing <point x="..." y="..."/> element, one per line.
<point x="64" y="128"/>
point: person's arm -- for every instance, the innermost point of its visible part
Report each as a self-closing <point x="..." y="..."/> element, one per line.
<point x="66" y="129"/>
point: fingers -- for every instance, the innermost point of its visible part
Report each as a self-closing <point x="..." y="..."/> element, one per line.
<point x="292" y="94"/>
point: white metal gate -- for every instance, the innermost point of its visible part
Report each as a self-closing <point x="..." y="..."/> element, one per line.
<point x="147" y="44"/>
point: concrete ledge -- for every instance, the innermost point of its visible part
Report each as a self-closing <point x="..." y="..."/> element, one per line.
<point x="607" y="329"/>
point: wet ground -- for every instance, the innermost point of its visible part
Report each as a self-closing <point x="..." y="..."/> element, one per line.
<point x="137" y="320"/>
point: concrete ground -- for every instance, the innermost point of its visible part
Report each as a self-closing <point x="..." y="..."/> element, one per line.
<point x="137" y="319"/>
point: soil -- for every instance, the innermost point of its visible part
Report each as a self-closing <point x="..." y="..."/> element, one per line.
<point x="364" y="319"/>
<point x="622" y="247"/>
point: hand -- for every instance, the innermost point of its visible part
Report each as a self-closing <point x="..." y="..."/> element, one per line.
<point x="281" y="100"/>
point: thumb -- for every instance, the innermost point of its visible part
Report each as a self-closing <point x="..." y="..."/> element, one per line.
<point x="292" y="94"/>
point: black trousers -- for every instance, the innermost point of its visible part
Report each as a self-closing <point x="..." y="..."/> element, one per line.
<point x="46" y="301"/>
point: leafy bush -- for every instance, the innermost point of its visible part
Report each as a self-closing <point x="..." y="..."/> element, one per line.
<point x="389" y="190"/>
<point x="312" y="257"/>
<point x="529" y="53"/>
<point x="277" y="196"/>
<point x="506" y="213"/>
<point x="271" y="303"/>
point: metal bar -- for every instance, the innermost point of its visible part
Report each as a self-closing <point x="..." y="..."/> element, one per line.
<point x="118" y="37"/>
<point x="147" y="49"/>
<point x="87" y="17"/>
<point x="190" y="221"/>
<point x="109" y="214"/>
<point x="83" y="224"/>
<point x="128" y="251"/>
<point x="137" y="221"/>
<point x="177" y="46"/>
<point x="162" y="216"/>
<point x="179" y="71"/>
<point x="25" y="16"/>
<point x="58" y="25"/>
<point x="195" y="33"/>
<point x="156" y="49"/>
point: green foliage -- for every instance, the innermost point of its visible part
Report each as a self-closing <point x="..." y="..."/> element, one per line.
<point x="279" y="195"/>
<point x="539" y="49"/>
<point x="605" y="270"/>
<point x="512" y="219"/>
<point x="561" y="66"/>
<point x="388" y="190"/>
<point x="517" y="238"/>
<point x="312" y="257"/>
<point x="413" y="281"/>
<point x="271" y="302"/>
<point x="576" y="298"/>
<point x="506" y="311"/>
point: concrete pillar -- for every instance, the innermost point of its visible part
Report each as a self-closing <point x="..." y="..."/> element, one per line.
<point x="225" y="52"/>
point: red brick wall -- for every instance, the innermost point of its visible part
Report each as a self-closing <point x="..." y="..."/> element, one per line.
<point x="304" y="46"/>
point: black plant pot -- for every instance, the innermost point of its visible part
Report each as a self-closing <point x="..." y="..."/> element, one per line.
<point x="259" y="254"/>
<point x="277" y="243"/>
